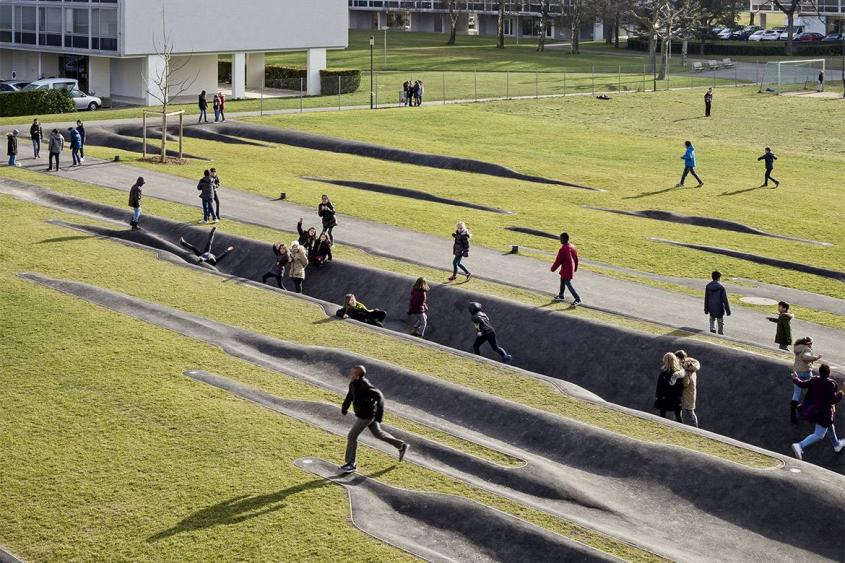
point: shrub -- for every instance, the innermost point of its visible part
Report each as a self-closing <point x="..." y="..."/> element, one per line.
<point x="747" y="48"/>
<point x="286" y="77"/>
<point x="350" y="81"/>
<point x="36" y="102"/>
<point x="224" y="71"/>
<point x="296" y="77"/>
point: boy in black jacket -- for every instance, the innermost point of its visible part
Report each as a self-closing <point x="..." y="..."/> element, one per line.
<point x="485" y="332"/>
<point x="770" y="159"/>
<point x="368" y="404"/>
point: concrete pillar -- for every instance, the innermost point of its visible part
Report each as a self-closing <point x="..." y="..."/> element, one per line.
<point x="316" y="63"/>
<point x="99" y="76"/>
<point x="598" y="30"/>
<point x="152" y="73"/>
<point x="238" y="75"/>
<point x="762" y="22"/>
<point x="255" y="70"/>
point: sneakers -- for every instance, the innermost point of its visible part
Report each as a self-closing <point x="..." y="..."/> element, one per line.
<point x="799" y="452"/>
<point x="558" y="298"/>
<point x="777" y="184"/>
<point x="216" y="221"/>
<point x="204" y="222"/>
<point x="348" y="468"/>
<point x="679" y="185"/>
<point x="403" y="450"/>
<point x="452" y="278"/>
<point x="415" y="332"/>
<point x="700" y="184"/>
<point x="469" y="276"/>
<point x="506" y="359"/>
<point x="576" y="302"/>
<point x="840" y="447"/>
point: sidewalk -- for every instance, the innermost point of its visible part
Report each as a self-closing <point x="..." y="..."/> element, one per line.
<point x="599" y="292"/>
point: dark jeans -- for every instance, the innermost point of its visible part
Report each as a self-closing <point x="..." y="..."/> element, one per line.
<point x="36" y="147"/>
<point x="208" y="209"/>
<point x="689" y="170"/>
<point x="328" y="231"/>
<point x="217" y="205"/>
<point x="50" y="160"/>
<point x="677" y="415"/>
<point x="491" y="338"/>
<point x="278" y="277"/>
<point x="769" y="177"/>
<point x="707" y="109"/>
<point x="568" y="283"/>
<point x="456" y="263"/>
<point x="297" y="284"/>
<point x="74" y="154"/>
<point x="203" y="115"/>
<point x="82" y="151"/>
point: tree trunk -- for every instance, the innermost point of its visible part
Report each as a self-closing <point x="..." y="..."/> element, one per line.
<point x="500" y="26"/>
<point x="575" y="28"/>
<point x="616" y="30"/>
<point x="751" y="18"/>
<point x="453" y="23"/>
<point x="665" y="45"/>
<point x="684" y="47"/>
<point x="544" y="22"/>
<point x="790" y="19"/>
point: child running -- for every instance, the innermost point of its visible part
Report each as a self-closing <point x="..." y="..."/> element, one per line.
<point x="460" y="249"/>
<point x="485" y="332"/>
<point x="803" y="369"/>
<point x="770" y="159"/>
<point x="418" y="307"/>
<point x="689" y="165"/>
<point x="819" y="408"/>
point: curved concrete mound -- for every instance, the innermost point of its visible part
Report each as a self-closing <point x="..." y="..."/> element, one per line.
<point x="738" y="512"/>
<point x="765" y="260"/>
<point x="204" y="133"/>
<point x="445" y="528"/>
<point x="335" y="144"/>
<point x="406" y="192"/>
<point x="100" y="137"/>
<point x="710" y="222"/>
<point x="533" y="232"/>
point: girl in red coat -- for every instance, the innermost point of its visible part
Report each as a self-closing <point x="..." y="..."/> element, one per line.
<point x="567" y="261"/>
<point x="418" y="307"/>
<point x="819" y="408"/>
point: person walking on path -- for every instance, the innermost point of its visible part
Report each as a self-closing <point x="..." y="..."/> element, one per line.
<point x="278" y="271"/>
<point x="215" y="181"/>
<point x="75" y="145"/>
<point x="819" y="408"/>
<point x="307" y="238"/>
<point x="54" y="148"/>
<point x="357" y="311"/>
<point x="783" y="334"/>
<point x="716" y="303"/>
<point x="206" y="190"/>
<point x="12" y="148"/>
<point x="80" y="128"/>
<point x="367" y="403"/>
<point x="202" y="103"/>
<point x="690" y="367"/>
<point x="567" y="261"/>
<point x="326" y="211"/>
<point x="298" y="263"/>
<point x="135" y="194"/>
<point x="667" y="396"/>
<point x="36" y="135"/>
<point x="803" y="368"/>
<point x="769" y="158"/>
<point x="485" y="332"/>
<point x="222" y="99"/>
<point x="460" y="250"/>
<point x="689" y="165"/>
<point x="418" y="307"/>
<point x="708" y="101"/>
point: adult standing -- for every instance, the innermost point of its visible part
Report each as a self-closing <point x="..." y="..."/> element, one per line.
<point x="803" y="368"/>
<point x="819" y="408"/>
<point x="12" y="147"/>
<point x="460" y="250"/>
<point x="54" y="147"/>
<point x="215" y="181"/>
<point x="769" y="158"/>
<point x="667" y="396"/>
<point x="716" y="303"/>
<point x="708" y="101"/>
<point x="75" y="145"/>
<point x="202" y="103"/>
<point x="135" y="194"/>
<point x="689" y="165"/>
<point x="80" y="128"/>
<point x="222" y="98"/>
<point x="206" y="190"/>
<point x="367" y="403"/>
<point x="325" y="209"/>
<point x="567" y="261"/>
<point x="37" y="135"/>
<point x="298" y="262"/>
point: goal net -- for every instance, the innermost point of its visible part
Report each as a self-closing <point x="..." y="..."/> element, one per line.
<point x="791" y="76"/>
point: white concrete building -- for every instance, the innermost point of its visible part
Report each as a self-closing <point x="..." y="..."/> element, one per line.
<point x="824" y="16"/>
<point x="113" y="46"/>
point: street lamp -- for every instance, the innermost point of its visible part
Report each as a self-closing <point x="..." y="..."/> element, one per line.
<point x="372" y="93"/>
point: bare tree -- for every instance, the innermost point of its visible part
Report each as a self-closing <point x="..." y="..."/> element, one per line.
<point x="544" y="23"/>
<point x="454" y="16"/>
<point x="646" y="13"/>
<point x="576" y="14"/>
<point x="500" y="26"/>
<point x="723" y="12"/>
<point x="789" y="8"/>
<point x="169" y="81"/>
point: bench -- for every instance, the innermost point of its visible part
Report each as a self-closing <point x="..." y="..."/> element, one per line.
<point x="698" y="67"/>
<point x="727" y="63"/>
<point x="713" y="65"/>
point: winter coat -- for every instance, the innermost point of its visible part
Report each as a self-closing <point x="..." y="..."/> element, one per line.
<point x="708" y="97"/>
<point x="305" y="240"/>
<point x="690" y="385"/>
<point x="358" y="312"/>
<point x="135" y="195"/>
<point x="783" y="334"/>
<point x="667" y="397"/>
<point x="567" y="261"/>
<point x="326" y="212"/>
<point x="12" y="147"/>
<point x="35" y="132"/>
<point x="461" y="246"/>
<point x="480" y="320"/>
<point x="81" y="130"/>
<point x="282" y="260"/>
<point x="222" y="102"/>
<point x="804" y="358"/>
<point x="216" y="102"/>
<point x="716" y="300"/>
<point x="367" y="402"/>
<point x="818" y="405"/>
<point x="206" y="188"/>
<point x="322" y="252"/>
<point x="298" y="262"/>
<point x="202" y="101"/>
<point x="418" y="304"/>
<point x="689" y="157"/>
<point x="57" y="143"/>
<point x="75" y="139"/>
<point x="770" y="159"/>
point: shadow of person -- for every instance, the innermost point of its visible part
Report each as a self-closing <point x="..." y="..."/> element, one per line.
<point x="746" y="190"/>
<point x="647" y="194"/>
<point x="236" y="510"/>
<point x="66" y="239"/>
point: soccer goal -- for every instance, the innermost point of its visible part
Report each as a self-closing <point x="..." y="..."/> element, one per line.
<point x="791" y="76"/>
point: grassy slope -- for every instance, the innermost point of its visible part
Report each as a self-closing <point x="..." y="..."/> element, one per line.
<point x="138" y="462"/>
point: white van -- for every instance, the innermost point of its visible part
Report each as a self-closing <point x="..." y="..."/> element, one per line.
<point x="53" y="84"/>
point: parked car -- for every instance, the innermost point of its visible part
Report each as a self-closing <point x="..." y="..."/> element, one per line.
<point x="810" y="36"/>
<point x="744" y="33"/>
<point x="834" y="37"/>
<point x="53" y="84"/>
<point x="757" y="35"/>
<point x="727" y="33"/>
<point x="85" y="101"/>
<point x="12" y="85"/>
<point x="772" y="34"/>
<point x="796" y="31"/>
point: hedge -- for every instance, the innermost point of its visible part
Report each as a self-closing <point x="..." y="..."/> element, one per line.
<point x="747" y="48"/>
<point x="296" y="77"/>
<point x="36" y="102"/>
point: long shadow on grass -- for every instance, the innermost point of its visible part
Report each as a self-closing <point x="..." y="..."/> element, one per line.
<point x="746" y="190"/>
<point x="236" y="510"/>
<point x="648" y="194"/>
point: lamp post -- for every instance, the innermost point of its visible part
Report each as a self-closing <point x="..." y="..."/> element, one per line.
<point x="372" y="44"/>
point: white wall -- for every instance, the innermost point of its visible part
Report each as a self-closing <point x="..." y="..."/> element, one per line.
<point x="99" y="76"/>
<point x="220" y="26"/>
<point x="126" y="83"/>
<point x="23" y="63"/>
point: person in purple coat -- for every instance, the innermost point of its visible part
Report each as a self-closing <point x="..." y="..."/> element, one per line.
<point x="819" y="408"/>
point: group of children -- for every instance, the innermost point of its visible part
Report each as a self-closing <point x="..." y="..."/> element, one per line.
<point x="208" y="188"/>
<point x="55" y="144"/>
<point x="690" y="164"/>
<point x="219" y="104"/>
<point x="412" y="93"/>
<point x="677" y="386"/>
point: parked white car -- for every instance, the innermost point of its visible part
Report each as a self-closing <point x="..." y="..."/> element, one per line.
<point x="796" y="31"/>
<point x="85" y="101"/>
<point x="757" y="35"/>
<point x="52" y="84"/>
<point x="772" y="34"/>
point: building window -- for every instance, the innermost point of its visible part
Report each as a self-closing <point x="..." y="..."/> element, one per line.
<point x="5" y="24"/>
<point x="507" y="24"/>
<point x="76" y="28"/>
<point x="104" y="29"/>
<point x="50" y="27"/>
<point x="25" y="25"/>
